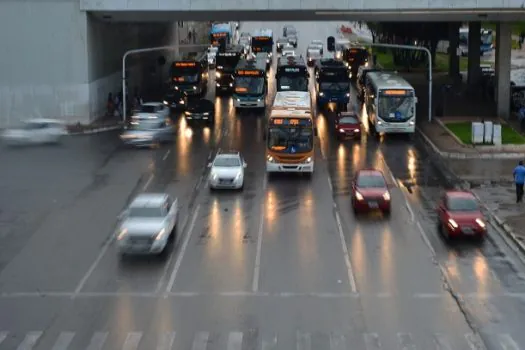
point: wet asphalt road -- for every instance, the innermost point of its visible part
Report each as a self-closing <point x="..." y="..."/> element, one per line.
<point x="283" y="264"/>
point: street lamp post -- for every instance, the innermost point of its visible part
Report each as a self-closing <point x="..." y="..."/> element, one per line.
<point x="139" y="51"/>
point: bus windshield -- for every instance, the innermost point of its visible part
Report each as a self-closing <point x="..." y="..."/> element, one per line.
<point x="290" y="140"/>
<point x="291" y="83"/>
<point x="185" y="74"/>
<point x="249" y="86"/>
<point x="227" y="63"/>
<point x="335" y="87"/>
<point x="396" y="108"/>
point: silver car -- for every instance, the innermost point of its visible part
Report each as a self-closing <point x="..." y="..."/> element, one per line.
<point x="148" y="132"/>
<point x="148" y="224"/>
<point x="152" y="110"/>
<point x="35" y="131"/>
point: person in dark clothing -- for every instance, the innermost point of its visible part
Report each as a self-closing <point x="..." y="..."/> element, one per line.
<point x="519" y="180"/>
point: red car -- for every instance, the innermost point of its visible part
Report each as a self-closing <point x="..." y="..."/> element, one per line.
<point x="370" y="192"/>
<point x="347" y="125"/>
<point x="459" y="215"/>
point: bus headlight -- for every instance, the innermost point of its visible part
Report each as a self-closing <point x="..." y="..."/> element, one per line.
<point x="321" y="94"/>
<point x="270" y="159"/>
<point x="217" y="74"/>
<point x="308" y="160"/>
<point x="347" y="94"/>
<point x="194" y="88"/>
<point x="231" y="84"/>
<point x="165" y="102"/>
<point x="411" y="123"/>
<point x="258" y="100"/>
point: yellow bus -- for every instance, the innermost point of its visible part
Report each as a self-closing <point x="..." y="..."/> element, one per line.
<point x="290" y="134"/>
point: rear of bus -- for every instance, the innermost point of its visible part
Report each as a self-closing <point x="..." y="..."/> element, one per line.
<point x="354" y="58"/>
<point x="290" y="142"/>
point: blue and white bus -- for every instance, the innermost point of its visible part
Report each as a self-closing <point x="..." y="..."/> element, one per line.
<point x="250" y="84"/>
<point x="486" y="41"/>
<point x="221" y="32"/>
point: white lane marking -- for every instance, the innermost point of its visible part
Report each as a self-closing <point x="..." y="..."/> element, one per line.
<point x="303" y="341"/>
<point x="348" y="263"/>
<point x="166" y="341"/>
<point x="235" y="341"/>
<point x="406" y="341"/>
<point x="63" y="341"/>
<point x="97" y="341"/>
<point x="265" y="181"/>
<point x="166" y="155"/>
<point x="409" y="208"/>
<point x="93" y="266"/>
<point x="200" y="342"/>
<point x="442" y="342"/>
<point x="182" y="251"/>
<point x="425" y="238"/>
<point x="132" y="341"/>
<point x="372" y="341"/>
<point x="507" y="343"/>
<point x="3" y="335"/>
<point x="146" y="185"/>
<point x="322" y="151"/>
<point x="474" y="341"/>
<point x="330" y="184"/>
<point x="30" y="340"/>
<point x="257" y="266"/>
<point x="269" y="344"/>
<point x="337" y="342"/>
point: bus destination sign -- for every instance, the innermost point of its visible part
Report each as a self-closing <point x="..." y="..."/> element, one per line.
<point x="219" y="35"/>
<point x="262" y="38"/>
<point x="251" y="73"/>
<point x="185" y="64"/>
<point x="290" y="122"/>
<point x="292" y="70"/>
<point x="395" y="92"/>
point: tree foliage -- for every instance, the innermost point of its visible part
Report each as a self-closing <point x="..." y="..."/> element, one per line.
<point x="426" y="34"/>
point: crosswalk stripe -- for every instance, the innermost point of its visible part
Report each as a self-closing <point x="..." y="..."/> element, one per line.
<point x="166" y="341"/>
<point x="132" y="341"/>
<point x="406" y="341"/>
<point x="442" y="343"/>
<point x="235" y="341"/>
<point x="269" y="344"/>
<point x="372" y="341"/>
<point x="337" y="342"/>
<point x="63" y="341"/>
<point x="303" y="341"/>
<point x="201" y="341"/>
<point x="29" y="341"/>
<point x="3" y="335"/>
<point x="507" y="342"/>
<point x="473" y="341"/>
<point x="97" y="341"/>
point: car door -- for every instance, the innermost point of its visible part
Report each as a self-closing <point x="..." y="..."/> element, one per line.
<point x="172" y="211"/>
<point x="442" y="209"/>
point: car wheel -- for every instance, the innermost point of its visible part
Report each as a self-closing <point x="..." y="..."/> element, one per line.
<point x="387" y="213"/>
<point x="355" y="210"/>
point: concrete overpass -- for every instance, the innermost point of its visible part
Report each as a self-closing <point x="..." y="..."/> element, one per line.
<point x="61" y="58"/>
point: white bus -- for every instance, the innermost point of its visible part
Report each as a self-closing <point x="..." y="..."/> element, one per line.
<point x="390" y="103"/>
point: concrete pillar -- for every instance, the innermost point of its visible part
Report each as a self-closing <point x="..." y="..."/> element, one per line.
<point x="474" y="52"/>
<point x="453" y="40"/>
<point x="503" y="61"/>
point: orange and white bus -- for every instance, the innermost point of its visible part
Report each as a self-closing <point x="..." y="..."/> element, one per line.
<point x="290" y="133"/>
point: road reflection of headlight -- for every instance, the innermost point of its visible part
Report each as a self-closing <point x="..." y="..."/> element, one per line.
<point x="188" y="133"/>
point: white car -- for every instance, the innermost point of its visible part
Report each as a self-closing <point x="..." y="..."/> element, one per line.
<point x="36" y="131"/>
<point x="148" y="224"/>
<point x="152" y="110"/>
<point x="227" y="171"/>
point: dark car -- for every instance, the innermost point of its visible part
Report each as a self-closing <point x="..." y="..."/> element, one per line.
<point x="347" y="125"/>
<point x="370" y="192"/>
<point x="200" y="110"/>
<point x="175" y="98"/>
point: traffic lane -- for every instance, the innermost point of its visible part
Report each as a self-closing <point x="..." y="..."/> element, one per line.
<point x="180" y="173"/>
<point x="301" y="246"/>
<point x="51" y="260"/>
<point x="221" y="249"/>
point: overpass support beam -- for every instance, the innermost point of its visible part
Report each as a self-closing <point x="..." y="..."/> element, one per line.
<point x="503" y="62"/>
<point x="453" y="57"/>
<point x="474" y="53"/>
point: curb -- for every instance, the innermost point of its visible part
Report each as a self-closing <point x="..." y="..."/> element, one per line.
<point x="496" y="221"/>
<point x="96" y="130"/>
<point x="457" y="155"/>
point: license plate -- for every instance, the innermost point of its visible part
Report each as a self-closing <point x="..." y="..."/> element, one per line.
<point x="197" y="117"/>
<point x="373" y="204"/>
<point x="467" y="230"/>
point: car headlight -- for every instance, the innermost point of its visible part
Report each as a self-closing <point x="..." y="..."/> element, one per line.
<point x="357" y="130"/>
<point x="165" y="102"/>
<point x="386" y="196"/>
<point x="122" y="234"/>
<point x="359" y="196"/>
<point x="347" y="94"/>
<point x="187" y="113"/>
<point x="194" y="88"/>
<point x="218" y="85"/>
<point x="453" y="223"/>
<point x="481" y="223"/>
<point x="238" y="176"/>
<point x="341" y="130"/>
<point x="217" y="74"/>
<point x="205" y="113"/>
<point x="213" y="176"/>
<point x="176" y="88"/>
<point x="160" y="235"/>
<point x="231" y="84"/>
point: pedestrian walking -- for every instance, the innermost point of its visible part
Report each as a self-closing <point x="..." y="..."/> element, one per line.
<point x="519" y="180"/>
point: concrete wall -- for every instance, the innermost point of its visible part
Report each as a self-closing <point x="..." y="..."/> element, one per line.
<point x="43" y="64"/>
<point x="225" y="5"/>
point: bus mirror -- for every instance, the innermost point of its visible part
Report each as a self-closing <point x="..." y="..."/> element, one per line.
<point x="415" y="99"/>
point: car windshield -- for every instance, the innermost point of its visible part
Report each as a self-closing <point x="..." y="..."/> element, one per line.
<point x="148" y="109"/>
<point x="227" y="162"/>
<point x="33" y="126"/>
<point x="348" y="120"/>
<point x="371" y="181"/>
<point x="394" y="108"/>
<point x="145" y="212"/>
<point x="249" y="85"/>
<point x="146" y="125"/>
<point x="290" y="140"/>
<point x="286" y="83"/>
<point x="462" y="204"/>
